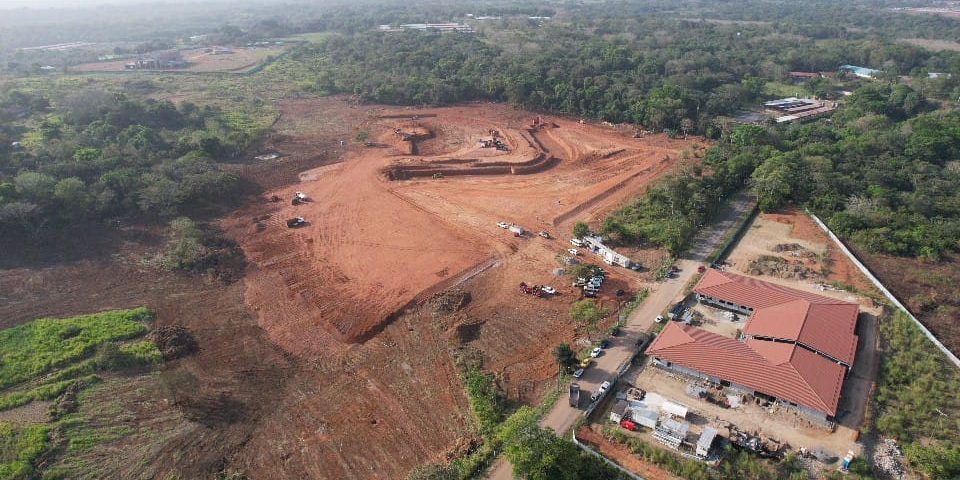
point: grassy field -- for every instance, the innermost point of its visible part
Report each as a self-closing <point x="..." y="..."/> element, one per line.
<point x="47" y="359"/>
<point x="916" y="400"/>
<point x="35" y="348"/>
<point x="779" y="89"/>
<point x="20" y="447"/>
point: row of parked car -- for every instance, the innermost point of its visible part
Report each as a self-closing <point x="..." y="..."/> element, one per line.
<point x="589" y="360"/>
<point x="591" y="286"/>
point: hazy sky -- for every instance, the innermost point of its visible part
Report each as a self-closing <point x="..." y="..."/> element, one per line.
<point x="46" y="4"/>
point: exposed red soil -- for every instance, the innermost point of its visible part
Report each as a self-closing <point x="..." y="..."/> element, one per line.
<point x="323" y="362"/>
<point x="237" y="373"/>
<point x="339" y="273"/>
<point x="622" y="455"/>
<point x="842" y="270"/>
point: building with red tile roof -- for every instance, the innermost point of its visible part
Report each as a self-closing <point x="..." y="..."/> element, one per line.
<point x="781" y="370"/>
<point x="796" y="346"/>
<point x="820" y="324"/>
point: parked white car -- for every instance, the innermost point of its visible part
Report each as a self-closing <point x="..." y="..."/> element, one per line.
<point x="503" y="225"/>
<point x="578" y="373"/>
<point x="574" y="252"/>
<point x="576" y="242"/>
<point x="548" y="290"/>
<point x="595" y="352"/>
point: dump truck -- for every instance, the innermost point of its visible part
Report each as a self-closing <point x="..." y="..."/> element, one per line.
<point x="575" y="395"/>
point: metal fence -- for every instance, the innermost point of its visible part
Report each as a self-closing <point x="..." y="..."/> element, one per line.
<point x="876" y="282"/>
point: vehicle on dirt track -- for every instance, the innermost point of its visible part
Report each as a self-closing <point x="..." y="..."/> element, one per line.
<point x="575" y="394"/>
<point x="595" y="352"/>
<point x="573" y="251"/>
<point x="579" y="282"/>
<point x="548" y="290"/>
<point x="503" y="225"/>
<point x="545" y="235"/>
<point x="296" y="222"/>
<point x="576" y="242"/>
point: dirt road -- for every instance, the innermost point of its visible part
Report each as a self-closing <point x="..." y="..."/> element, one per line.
<point x="562" y="417"/>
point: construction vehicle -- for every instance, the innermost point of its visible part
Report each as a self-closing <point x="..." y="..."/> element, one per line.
<point x="299" y="198"/>
<point x="296" y="222"/>
<point x="536" y="290"/>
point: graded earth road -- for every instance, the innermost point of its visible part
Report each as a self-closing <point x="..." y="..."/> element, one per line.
<point x="562" y="417"/>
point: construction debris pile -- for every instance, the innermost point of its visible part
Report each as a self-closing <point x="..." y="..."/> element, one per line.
<point x="888" y="458"/>
<point x="780" y="267"/>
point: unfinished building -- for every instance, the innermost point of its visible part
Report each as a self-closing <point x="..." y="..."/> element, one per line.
<point x="795" y="349"/>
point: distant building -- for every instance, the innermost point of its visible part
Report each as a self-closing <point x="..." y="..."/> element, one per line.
<point x="164" y="60"/>
<point x="861" y="72"/>
<point x="443" y="27"/>
<point x="804" y="75"/>
<point x="786" y="110"/>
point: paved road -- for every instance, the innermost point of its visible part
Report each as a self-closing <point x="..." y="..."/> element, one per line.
<point x="662" y="295"/>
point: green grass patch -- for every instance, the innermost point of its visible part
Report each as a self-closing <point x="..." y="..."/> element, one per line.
<point x="20" y="448"/>
<point x="35" y="348"/>
<point x="916" y="400"/>
<point x="780" y="89"/>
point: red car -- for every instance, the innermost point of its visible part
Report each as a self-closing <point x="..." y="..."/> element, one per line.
<point x="627" y="424"/>
<point x="701" y="269"/>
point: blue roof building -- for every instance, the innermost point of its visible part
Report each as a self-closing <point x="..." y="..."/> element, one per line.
<point x="862" y="72"/>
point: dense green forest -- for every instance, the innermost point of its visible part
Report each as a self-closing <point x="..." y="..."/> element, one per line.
<point x="94" y="155"/>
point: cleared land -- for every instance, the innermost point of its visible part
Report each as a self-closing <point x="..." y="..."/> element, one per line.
<point x="240" y="59"/>
<point x="340" y="271"/>
<point x="935" y="45"/>
<point x="344" y="292"/>
<point x="277" y="390"/>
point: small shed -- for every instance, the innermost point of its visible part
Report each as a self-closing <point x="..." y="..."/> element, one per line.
<point x="671" y="432"/>
<point x="642" y="416"/>
<point x="706" y="441"/>
<point x="619" y="411"/>
<point x="674" y="409"/>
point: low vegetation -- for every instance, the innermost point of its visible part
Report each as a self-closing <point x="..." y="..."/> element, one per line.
<point x="56" y="359"/>
<point x="35" y="348"/>
<point x="916" y="399"/>
<point x="20" y="447"/>
<point x="736" y="464"/>
<point x="534" y="453"/>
